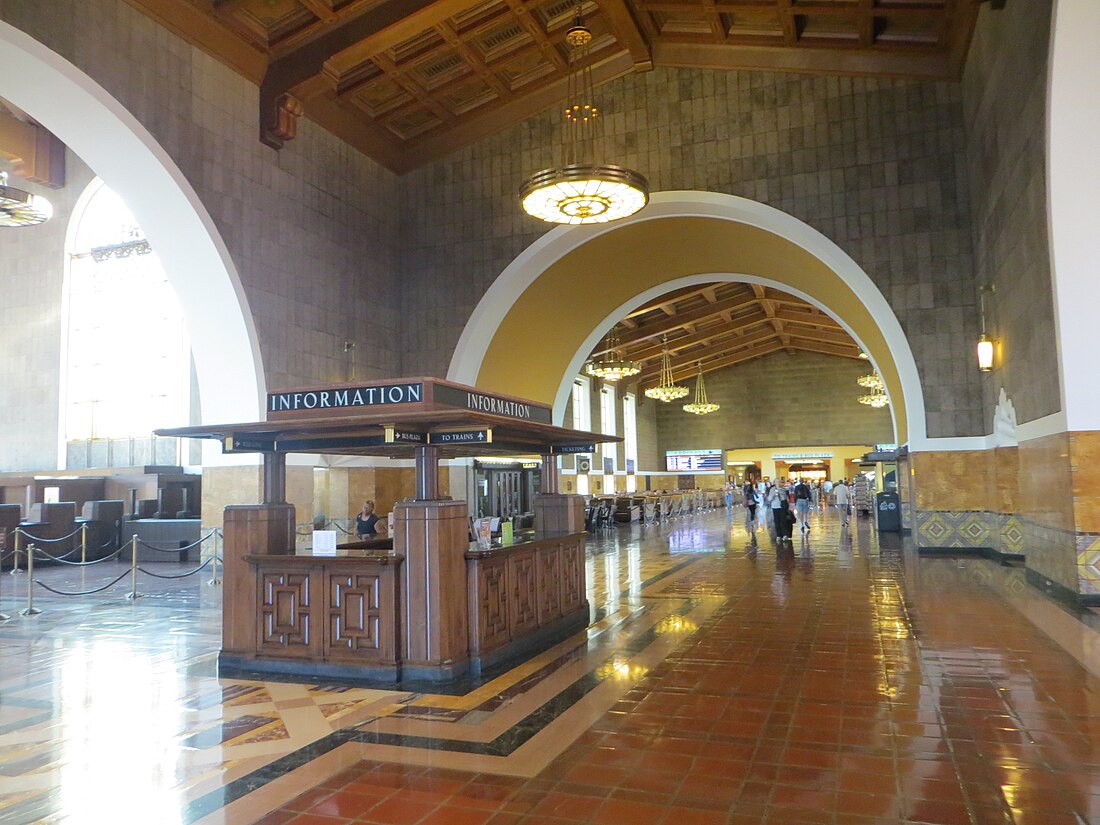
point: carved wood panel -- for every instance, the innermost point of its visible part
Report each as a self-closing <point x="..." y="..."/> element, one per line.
<point x="285" y="612"/>
<point x="549" y="571"/>
<point x="572" y="577"/>
<point x="493" y="613"/>
<point x="354" y="615"/>
<point x="523" y="592"/>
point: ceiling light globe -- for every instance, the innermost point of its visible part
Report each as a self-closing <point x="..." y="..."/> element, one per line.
<point x="21" y="208"/>
<point x="584" y="194"/>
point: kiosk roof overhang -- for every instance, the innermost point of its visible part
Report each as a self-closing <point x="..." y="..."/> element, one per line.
<point x="395" y="416"/>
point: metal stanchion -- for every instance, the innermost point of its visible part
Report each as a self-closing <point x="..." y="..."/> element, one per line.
<point x="215" y="579"/>
<point x="15" y="559"/>
<point x="5" y="616"/>
<point x="133" y="594"/>
<point x="83" y="543"/>
<point x="30" y="609"/>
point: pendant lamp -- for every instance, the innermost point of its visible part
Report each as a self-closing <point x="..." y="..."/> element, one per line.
<point x="666" y="390"/>
<point x="612" y="366"/>
<point x="700" y="406"/>
<point x="583" y="189"/>
<point x="20" y="208"/>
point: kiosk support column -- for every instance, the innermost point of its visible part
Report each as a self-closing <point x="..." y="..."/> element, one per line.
<point x="551" y="483"/>
<point x="427" y="473"/>
<point x="274" y="478"/>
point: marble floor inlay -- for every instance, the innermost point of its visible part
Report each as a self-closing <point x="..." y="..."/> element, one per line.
<point x="844" y="680"/>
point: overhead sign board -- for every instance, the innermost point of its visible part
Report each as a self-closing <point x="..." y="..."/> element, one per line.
<point x="462" y="437"/>
<point x="572" y="449"/>
<point x="488" y="403"/>
<point x="395" y="435"/>
<point x="799" y="456"/>
<point x="343" y="397"/>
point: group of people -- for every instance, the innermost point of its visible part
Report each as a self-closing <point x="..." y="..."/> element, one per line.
<point x="790" y="503"/>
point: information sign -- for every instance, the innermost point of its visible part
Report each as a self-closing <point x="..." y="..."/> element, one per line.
<point x="692" y="460"/>
<point x="398" y="436"/>
<point x="462" y="437"/>
<point x="324" y="542"/>
<point x="572" y="449"/>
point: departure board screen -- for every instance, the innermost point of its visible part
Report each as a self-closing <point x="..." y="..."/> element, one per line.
<point x="690" y="461"/>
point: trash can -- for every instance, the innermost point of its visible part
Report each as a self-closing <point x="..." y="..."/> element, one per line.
<point x="888" y="507"/>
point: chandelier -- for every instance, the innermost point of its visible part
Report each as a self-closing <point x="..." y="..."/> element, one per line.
<point x="21" y="208"/>
<point x="700" y="406"/>
<point x="875" y="398"/>
<point x="583" y="190"/>
<point x="612" y="366"/>
<point x="666" y="390"/>
<point x="872" y="382"/>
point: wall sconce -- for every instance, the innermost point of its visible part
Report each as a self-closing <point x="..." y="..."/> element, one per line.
<point x="985" y="343"/>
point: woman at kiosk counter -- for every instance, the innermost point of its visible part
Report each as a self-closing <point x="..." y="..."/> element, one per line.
<point x="367" y="522"/>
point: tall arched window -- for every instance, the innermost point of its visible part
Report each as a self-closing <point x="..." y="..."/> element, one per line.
<point x="127" y="357"/>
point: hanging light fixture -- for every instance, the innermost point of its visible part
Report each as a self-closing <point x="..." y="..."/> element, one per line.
<point x="20" y="208"/>
<point x="985" y="343"/>
<point x="612" y="366"/>
<point x="700" y="406"/>
<point x="875" y="398"/>
<point x="583" y="190"/>
<point x="872" y="382"/>
<point x="666" y="390"/>
<point x="863" y="354"/>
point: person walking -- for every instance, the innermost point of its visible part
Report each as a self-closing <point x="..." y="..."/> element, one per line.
<point x="842" y="498"/>
<point x="750" y="506"/>
<point x="802" y="496"/>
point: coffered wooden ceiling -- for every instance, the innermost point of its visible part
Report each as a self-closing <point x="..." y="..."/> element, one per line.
<point x="407" y="81"/>
<point x="720" y="325"/>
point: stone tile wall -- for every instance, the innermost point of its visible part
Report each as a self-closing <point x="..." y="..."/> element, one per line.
<point x="32" y="271"/>
<point x="876" y="165"/>
<point x="312" y="228"/>
<point x="778" y="400"/>
<point x="1004" y="91"/>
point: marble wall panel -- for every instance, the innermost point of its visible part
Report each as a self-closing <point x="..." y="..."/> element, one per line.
<point x="953" y="481"/>
<point x="1084" y="450"/>
<point x="1046" y="482"/>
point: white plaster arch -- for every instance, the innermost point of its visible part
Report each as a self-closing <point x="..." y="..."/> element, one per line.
<point x="129" y="159"/>
<point x="559" y="242"/>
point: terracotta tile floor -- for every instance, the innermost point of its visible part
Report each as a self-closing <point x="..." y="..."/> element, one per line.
<point x="844" y="680"/>
<point x="835" y="684"/>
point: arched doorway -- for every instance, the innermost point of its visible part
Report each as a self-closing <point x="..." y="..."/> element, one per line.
<point x="531" y="331"/>
<point x="122" y="152"/>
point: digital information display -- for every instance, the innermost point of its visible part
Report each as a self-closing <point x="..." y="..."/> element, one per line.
<point x="687" y="461"/>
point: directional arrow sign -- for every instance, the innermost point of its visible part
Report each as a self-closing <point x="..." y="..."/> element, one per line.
<point x="396" y="436"/>
<point x="245" y="444"/>
<point x="572" y="449"/>
<point x="462" y="437"/>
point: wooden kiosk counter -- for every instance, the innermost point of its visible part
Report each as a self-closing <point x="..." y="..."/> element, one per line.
<point x="435" y="606"/>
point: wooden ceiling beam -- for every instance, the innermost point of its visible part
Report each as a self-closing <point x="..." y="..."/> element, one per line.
<point x="626" y="31"/>
<point x="839" y="59"/>
<point x="671" y="298"/>
<point x="813" y="345"/>
<point x="655" y="329"/>
<point x="488" y="119"/>
<point x="650" y="350"/>
<point x="684" y="373"/>
<point x="841" y="8"/>
<point x="381" y="27"/>
<point x="719" y="350"/>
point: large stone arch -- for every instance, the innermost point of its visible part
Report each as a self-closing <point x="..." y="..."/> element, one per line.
<point x="121" y="151"/>
<point x="532" y="329"/>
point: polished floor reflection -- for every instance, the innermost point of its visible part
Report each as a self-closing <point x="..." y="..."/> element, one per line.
<point x="841" y="680"/>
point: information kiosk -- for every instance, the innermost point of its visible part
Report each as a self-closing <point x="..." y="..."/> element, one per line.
<point x="435" y="607"/>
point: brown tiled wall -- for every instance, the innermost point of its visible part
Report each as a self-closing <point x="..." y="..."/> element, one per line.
<point x="781" y="399"/>
<point x="876" y="165"/>
<point x="1004" y="99"/>
<point x="312" y="229"/>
